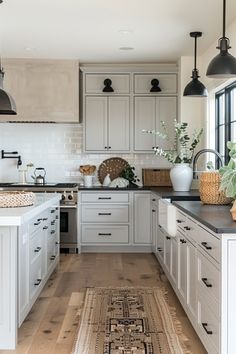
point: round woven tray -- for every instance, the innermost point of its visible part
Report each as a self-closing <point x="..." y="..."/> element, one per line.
<point x="14" y="199"/>
<point x="209" y="189"/>
<point x="113" y="166"/>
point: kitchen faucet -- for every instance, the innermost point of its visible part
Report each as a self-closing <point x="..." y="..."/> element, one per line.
<point x="12" y="155"/>
<point x="200" y="152"/>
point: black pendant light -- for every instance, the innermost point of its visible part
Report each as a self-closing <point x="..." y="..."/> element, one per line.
<point x="7" y="103"/>
<point x="222" y="65"/>
<point x="195" y="88"/>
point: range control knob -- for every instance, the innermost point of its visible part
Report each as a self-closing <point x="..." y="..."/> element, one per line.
<point x="63" y="197"/>
<point x="70" y="197"/>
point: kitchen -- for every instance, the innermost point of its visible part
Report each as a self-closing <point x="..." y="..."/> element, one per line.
<point x="52" y="82"/>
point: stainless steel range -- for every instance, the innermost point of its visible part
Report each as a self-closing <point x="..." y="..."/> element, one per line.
<point x="68" y="208"/>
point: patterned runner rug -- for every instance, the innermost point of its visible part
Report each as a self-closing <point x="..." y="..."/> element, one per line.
<point x="128" y="321"/>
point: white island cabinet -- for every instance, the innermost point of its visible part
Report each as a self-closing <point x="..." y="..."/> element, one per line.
<point x="29" y="252"/>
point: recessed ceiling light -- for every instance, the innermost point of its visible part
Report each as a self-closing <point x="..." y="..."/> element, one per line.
<point x="125" y="31"/>
<point x="126" y="48"/>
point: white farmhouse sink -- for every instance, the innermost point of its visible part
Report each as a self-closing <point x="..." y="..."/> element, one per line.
<point x="167" y="216"/>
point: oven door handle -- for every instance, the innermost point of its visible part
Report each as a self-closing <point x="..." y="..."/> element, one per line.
<point x="68" y="206"/>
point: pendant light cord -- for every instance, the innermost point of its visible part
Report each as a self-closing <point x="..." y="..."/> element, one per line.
<point x="224" y="15"/>
<point x="195" y="53"/>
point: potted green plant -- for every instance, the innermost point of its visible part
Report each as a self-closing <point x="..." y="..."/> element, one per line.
<point x="180" y="154"/>
<point x="228" y="177"/>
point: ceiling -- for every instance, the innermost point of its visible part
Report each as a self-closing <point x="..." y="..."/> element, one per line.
<point x="94" y="30"/>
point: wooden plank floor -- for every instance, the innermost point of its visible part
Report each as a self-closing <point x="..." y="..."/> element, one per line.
<point x="51" y="326"/>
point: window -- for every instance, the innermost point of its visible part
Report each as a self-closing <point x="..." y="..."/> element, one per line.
<point x="225" y="119"/>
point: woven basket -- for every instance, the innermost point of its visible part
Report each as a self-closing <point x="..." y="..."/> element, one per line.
<point x="15" y="199"/>
<point x="209" y="189"/>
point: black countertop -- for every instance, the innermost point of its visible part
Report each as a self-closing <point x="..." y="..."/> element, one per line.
<point x="216" y="217"/>
<point x="168" y="193"/>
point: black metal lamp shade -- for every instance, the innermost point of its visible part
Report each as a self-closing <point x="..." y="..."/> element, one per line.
<point x="222" y="65"/>
<point x="195" y="88"/>
<point x="7" y="103"/>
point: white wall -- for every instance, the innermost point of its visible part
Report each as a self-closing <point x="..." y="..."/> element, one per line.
<point x="57" y="148"/>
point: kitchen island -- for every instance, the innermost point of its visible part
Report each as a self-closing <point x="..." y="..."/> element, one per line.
<point x="29" y="239"/>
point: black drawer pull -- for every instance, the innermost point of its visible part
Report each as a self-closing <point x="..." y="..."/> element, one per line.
<point x="206" y="246"/>
<point x="159" y="249"/>
<point x="187" y="228"/>
<point x="40" y="219"/>
<point x="168" y="237"/>
<point x="104" y="198"/>
<point x="45" y="227"/>
<point x="44" y="219"/>
<point x="104" y="234"/>
<point x="37" y="282"/>
<point x="204" y="325"/>
<point x="179" y="221"/>
<point x="206" y="283"/>
<point x="53" y="222"/>
<point x="53" y="232"/>
<point x="153" y="210"/>
<point x="57" y="217"/>
<point x="53" y="211"/>
<point x="183" y="240"/>
<point x="57" y="243"/>
<point x="37" y="249"/>
<point x="104" y="213"/>
<point x="153" y="200"/>
<point x="52" y="258"/>
<point x="37" y="223"/>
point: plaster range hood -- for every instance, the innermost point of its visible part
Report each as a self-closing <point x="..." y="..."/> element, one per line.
<point x="7" y="103"/>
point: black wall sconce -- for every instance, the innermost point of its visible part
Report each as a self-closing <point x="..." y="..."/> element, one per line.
<point x="108" y="88"/>
<point x="155" y="86"/>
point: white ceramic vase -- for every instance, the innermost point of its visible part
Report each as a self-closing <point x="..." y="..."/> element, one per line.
<point x="181" y="176"/>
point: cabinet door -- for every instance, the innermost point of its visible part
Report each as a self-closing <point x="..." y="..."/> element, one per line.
<point x="144" y="118"/>
<point x="96" y="123"/>
<point x="142" y="218"/>
<point x="191" y="278"/>
<point x="154" y="227"/>
<point x="160" y="245"/>
<point x="182" y="270"/>
<point x="118" y="123"/>
<point x="43" y="89"/>
<point x="166" y="111"/>
<point x="23" y="274"/>
<point x="174" y="260"/>
<point x="167" y="252"/>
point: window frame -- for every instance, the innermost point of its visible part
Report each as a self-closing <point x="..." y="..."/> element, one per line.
<point x="227" y="122"/>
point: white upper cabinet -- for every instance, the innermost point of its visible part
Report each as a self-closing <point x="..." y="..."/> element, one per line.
<point x="120" y="83"/>
<point x="44" y="90"/>
<point x="107" y="123"/>
<point x="148" y="114"/>
<point x="143" y="84"/>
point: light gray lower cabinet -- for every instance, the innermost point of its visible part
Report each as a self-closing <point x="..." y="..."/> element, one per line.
<point x="115" y="221"/>
<point x="200" y="266"/>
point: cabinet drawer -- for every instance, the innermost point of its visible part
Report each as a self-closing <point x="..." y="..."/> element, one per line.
<point x="167" y="83"/>
<point x="35" y="277"/>
<point x="209" y="326"/>
<point x="35" y="245"/>
<point x="103" y="213"/>
<point x="209" y="282"/>
<point x="105" y="234"/>
<point x="115" y="197"/>
<point x="94" y="83"/>
<point x="208" y="242"/>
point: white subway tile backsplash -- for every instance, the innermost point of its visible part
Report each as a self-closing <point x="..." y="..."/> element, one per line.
<point x="59" y="149"/>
